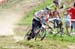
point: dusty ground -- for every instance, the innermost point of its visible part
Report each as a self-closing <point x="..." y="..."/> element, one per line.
<point x="9" y="16"/>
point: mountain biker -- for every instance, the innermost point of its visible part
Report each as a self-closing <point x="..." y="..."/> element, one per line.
<point x="37" y="21"/>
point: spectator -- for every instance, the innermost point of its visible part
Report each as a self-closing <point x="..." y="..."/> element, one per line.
<point x="56" y="16"/>
<point x="72" y="13"/>
<point x="68" y="22"/>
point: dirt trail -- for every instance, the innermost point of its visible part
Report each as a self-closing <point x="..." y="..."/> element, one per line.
<point x="8" y="17"/>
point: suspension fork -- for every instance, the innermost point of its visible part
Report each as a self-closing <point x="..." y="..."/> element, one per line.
<point x="44" y="34"/>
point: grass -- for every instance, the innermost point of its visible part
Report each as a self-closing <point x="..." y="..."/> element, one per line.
<point x="47" y="44"/>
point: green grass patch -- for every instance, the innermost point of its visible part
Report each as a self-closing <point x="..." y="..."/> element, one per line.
<point x="46" y="44"/>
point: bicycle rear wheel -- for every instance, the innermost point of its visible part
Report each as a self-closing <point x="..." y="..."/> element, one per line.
<point x="27" y="34"/>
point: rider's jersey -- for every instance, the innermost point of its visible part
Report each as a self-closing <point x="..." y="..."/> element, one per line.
<point x="41" y="15"/>
<point x="38" y="15"/>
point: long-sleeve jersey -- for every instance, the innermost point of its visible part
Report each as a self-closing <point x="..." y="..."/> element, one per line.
<point x="41" y="15"/>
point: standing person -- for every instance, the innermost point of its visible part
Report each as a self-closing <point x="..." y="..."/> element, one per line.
<point x="72" y="13"/>
<point x="56" y="16"/>
<point x="68" y="22"/>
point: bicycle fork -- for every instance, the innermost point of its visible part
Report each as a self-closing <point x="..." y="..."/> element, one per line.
<point x="44" y="34"/>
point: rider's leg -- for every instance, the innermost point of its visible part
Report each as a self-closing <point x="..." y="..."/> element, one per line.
<point x="39" y="25"/>
<point x="34" y="27"/>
